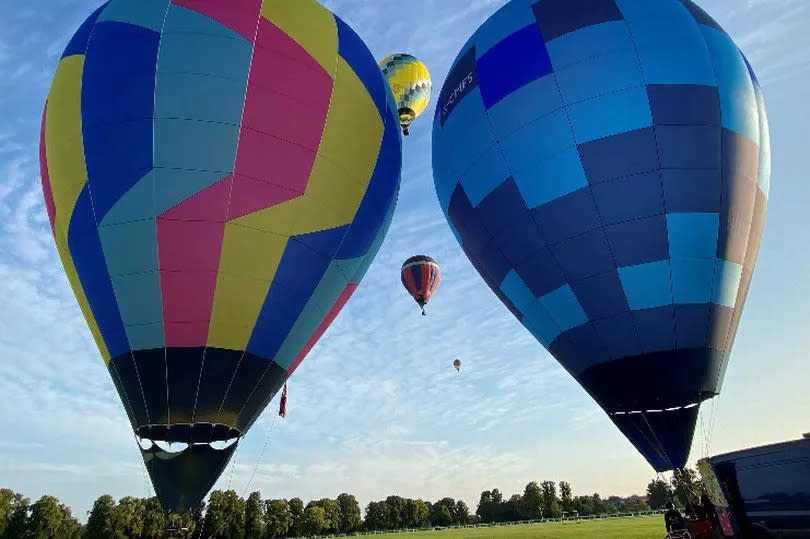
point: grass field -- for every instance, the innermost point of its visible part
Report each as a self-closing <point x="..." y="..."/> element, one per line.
<point x="649" y="527"/>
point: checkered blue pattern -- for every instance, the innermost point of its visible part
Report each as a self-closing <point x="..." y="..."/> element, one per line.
<point x="605" y="166"/>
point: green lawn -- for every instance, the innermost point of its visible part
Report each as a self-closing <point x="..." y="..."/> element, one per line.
<point x="649" y="527"/>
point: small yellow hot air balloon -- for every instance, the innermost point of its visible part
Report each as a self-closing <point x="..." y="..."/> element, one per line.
<point x="409" y="80"/>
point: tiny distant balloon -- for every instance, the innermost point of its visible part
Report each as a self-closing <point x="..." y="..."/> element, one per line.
<point x="410" y="83"/>
<point x="457" y="364"/>
<point x="421" y="275"/>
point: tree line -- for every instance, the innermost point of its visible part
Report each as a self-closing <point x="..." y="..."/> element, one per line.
<point x="228" y="515"/>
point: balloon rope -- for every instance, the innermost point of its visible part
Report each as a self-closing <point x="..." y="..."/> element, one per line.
<point x="261" y="455"/>
<point x="657" y="441"/>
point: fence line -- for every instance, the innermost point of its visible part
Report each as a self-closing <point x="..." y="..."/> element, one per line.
<point x="603" y="516"/>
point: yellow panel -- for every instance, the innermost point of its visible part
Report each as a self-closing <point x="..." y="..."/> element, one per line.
<point x="237" y="303"/>
<point x="63" y="138"/>
<point x="251" y="253"/>
<point x="353" y="131"/>
<point x="310" y="24"/>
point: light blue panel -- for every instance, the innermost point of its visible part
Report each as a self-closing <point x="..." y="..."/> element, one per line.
<point x="466" y="132"/>
<point x="130" y="247"/>
<point x="503" y="23"/>
<point x="669" y="43"/>
<point x="199" y="97"/>
<point x="551" y="178"/>
<point x="174" y="186"/>
<point x="136" y="204"/>
<point x="540" y="324"/>
<point x="611" y="114"/>
<point x="693" y="235"/>
<point x="692" y="279"/>
<point x="484" y="176"/>
<point x="589" y="42"/>
<point x="350" y="268"/>
<point x="534" y="100"/>
<point x="205" y="54"/>
<point x="598" y="76"/>
<point x="187" y="21"/>
<point x="147" y="13"/>
<point x="541" y="139"/>
<point x="517" y="291"/>
<point x="146" y="336"/>
<point x="563" y="306"/>
<point x="323" y="298"/>
<point x="193" y="145"/>
<point x="139" y="298"/>
<point x="726" y="282"/>
<point x="764" y="181"/>
<point x="646" y="285"/>
<point x="738" y="103"/>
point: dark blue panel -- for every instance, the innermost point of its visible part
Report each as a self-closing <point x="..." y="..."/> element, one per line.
<point x="118" y="81"/>
<point x="639" y="241"/>
<point x="688" y="146"/>
<point x="579" y="348"/>
<point x="78" y="43"/>
<point x="182" y="376"/>
<point x="732" y="239"/>
<point x="492" y="264"/>
<point x="664" y="439"/>
<point x="720" y="318"/>
<point x="151" y="365"/>
<point x="467" y="221"/>
<point x="691" y="191"/>
<point x="692" y="325"/>
<point x="357" y="55"/>
<point x="382" y="188"/>
<point x="91" y="267"/>
<point x="567" y="216"/>
<point x="325" y="242"/>
<point x="129" y="388"/>
<point x="701" y="16"/>
<point x="245" y="381"/>
<point x="601" y="295"/>
<point x="512" y="63"/>
<point x="619" y="155"/>
<point x="559" y="17"/>
<point x="684" y="104"/>
<point x="503" y="208"/>
<point x="541" y="273"/>
<point x="301" y="268"/>
<point x="618" y="333"/>
<point x="656" y="328"/>
<point x="460" y="81"/>
<point x="281" y="309"/>
<point x="583" y="256"/>
<point x="629" y="198"/>
<point x="271" y="381"/>
<point x="740" y="173"/>
<point x="217" y="372"/>
<point x="520" y="241"/>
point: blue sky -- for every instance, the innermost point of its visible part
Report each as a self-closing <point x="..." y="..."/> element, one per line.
<point x="377" y="407"/>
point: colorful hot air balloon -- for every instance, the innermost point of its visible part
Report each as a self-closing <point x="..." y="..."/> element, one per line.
<point x="606" y="170"/>
<point x="457" y="364"/>
<point x="421" y="275"/>
<point x="219" y="175"/>
<point x="409" y="80"/>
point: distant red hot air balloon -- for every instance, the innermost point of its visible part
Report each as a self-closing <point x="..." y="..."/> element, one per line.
<point x="457" y="364"/>
<point x="421" y="275"/>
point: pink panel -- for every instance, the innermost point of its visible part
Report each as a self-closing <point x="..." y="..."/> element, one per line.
<point x="250" y="195"/>
<point x="284" y="116"/>
<point x="187" y="300"/>
<point x="189" y="245"/>
<point x="210" y="204"/>
<point x="47" y="192"/>
<point x="186" y="334"/>
<point x="280" y="64"/>
<point x="322" y="327"/>
<point x="270" y="158"/>
<point x="240" y="16"/>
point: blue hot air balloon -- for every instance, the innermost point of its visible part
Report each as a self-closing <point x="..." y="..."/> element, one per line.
<point x="605" y="166"/>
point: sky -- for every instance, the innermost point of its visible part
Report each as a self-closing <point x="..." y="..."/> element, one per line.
<point x="377" y="408"/>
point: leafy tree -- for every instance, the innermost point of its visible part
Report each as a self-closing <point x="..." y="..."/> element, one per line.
<point x="511" y="509"/>
<point x="598" y="505"/>
<point x="126" y="519"/>
<point x="461" y="513"/>
<point x="16" y="519"/>
<point x="254" y="516"/>
<point x="396" y="512"/>
<point x="635" y="503"/>
<point x="10" y="504"/>
<point x="583" y="505"/>
<point x="50" y="519"/>
<point x="154" y="519"/>
<point x="350" y="519"/>
<point x="331" y="510"/>
<point x="298" y="517"/>
<point x="278" y="520"/>
<point x="183" y="523"/>
<point x="314" y="519"/>
<point x="416" y="514"/>
<point x="99" y="520"/>
<point x="566" y="499"/>
<point x="687" y="485"/>
<point x="225" y="516"/>
<point x="377" y="516"/>
<point x="442" y="513"/>
<point x="531" y="502"/>
<point x="659" y="494"/>
<point x="548" y="498"/>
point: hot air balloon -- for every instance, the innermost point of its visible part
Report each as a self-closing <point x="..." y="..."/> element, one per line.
<point x="606" y="170"/>
<point x="457" y="364"/>
<point x="409" y="80"/>
<point x="421" y="275"/>
<point x="219" y="174"/>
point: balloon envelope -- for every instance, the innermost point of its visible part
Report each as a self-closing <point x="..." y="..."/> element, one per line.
<point x="218" y="175"/>
<point x="420" y="275"/>
<point x="607" y="171"/>
<point x="409" y="80"/>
